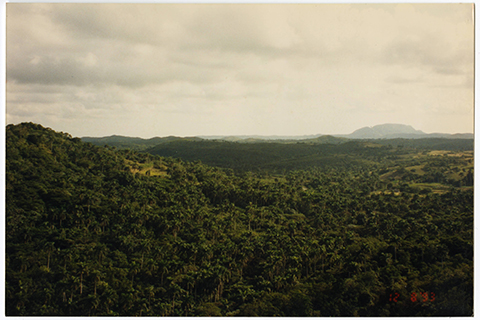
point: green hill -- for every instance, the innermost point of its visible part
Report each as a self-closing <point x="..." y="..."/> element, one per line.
<point x="138" y="144"/>
<point x="268" y="156"/>
<point x="278" y="156"/>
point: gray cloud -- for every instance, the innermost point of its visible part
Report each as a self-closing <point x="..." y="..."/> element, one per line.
<point x="234" y="63"/>
<point x="404" y="80"/>
<point x="432" y="53"/>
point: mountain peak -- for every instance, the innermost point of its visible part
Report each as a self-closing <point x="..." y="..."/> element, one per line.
<point x="385" y="131"/>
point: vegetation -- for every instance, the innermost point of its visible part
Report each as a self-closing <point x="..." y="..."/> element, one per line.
<point x="281" y="157"/>
<point x="433" y="143"/>
<point x="370" y="231"/>
<point x="137" y="144"/>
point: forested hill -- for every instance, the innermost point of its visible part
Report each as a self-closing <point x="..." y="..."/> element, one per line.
<point x="97" y="231"/>
<point x="138" y="144"/>
<point x="278" y="156"/>
<point x="431" y="142"/>
<point x="269" y="156"/>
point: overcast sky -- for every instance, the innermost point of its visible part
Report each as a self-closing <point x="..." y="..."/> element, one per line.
<point x="150" y="70"/>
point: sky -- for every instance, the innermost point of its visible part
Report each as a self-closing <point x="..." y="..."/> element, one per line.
<point x="149" y="70"/>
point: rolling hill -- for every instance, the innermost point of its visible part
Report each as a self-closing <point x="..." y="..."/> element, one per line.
<point x="380" y="132"/>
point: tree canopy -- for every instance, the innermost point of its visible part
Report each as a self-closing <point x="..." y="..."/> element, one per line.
<point x="98" y="231"/>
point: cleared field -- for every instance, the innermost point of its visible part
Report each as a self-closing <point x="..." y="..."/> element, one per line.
<point x="438" y="152"/>
<point x="435" y="187"/>
<point x="146" y="169"/>
<point x="416" y="169"/>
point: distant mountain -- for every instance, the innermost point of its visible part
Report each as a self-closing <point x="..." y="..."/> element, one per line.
<point x="385" y="131"/>
<point x="395" y="131"/>
<point x="382" y="131"/>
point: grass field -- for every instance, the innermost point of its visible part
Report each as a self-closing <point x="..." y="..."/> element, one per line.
<point x="146" y="168"/>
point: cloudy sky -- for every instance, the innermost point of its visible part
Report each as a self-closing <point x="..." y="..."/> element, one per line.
<point x="208" y="69"/>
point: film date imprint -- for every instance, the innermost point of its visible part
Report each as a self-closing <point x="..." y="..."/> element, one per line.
<point x="421" y="297"/>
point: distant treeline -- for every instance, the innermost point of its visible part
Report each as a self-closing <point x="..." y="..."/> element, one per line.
<point x="280" y="156"/>
<point x="138" y="144"/>
<point x="429" y="143"/>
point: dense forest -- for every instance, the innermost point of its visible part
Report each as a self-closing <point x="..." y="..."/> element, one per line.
<point x="364" y="229"/>
<point x="277" y="157"/>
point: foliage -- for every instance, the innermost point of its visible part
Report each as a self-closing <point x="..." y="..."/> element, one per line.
<point x="281" y="157"/>
<point x="89" y="232"/>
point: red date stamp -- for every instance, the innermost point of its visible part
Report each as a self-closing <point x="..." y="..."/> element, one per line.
<point x="414" y="297"/>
